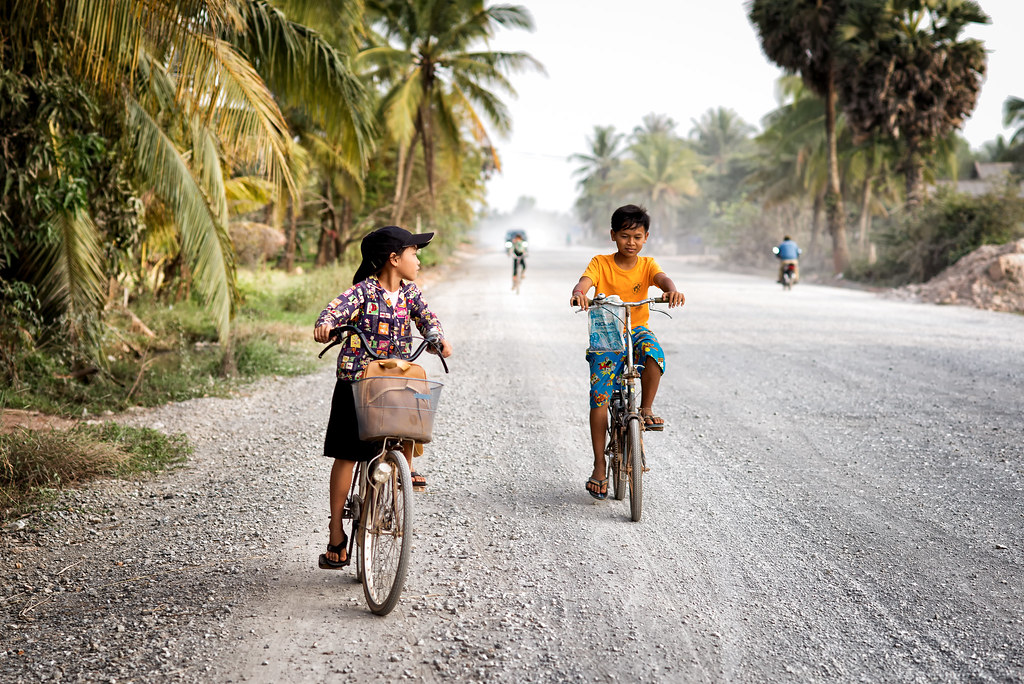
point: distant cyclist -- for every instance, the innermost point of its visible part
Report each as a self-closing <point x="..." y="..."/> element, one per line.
<point x="518" y="253"/>
<point x="788" y="253"/>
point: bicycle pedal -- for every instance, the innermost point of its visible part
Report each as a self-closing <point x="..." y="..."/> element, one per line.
<point x="646" y="469"/>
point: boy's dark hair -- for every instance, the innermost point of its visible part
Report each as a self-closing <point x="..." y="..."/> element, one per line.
<point x="630" y="216"/>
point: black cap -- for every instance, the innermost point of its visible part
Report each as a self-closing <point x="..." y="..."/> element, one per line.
<point x="381" y="244"/>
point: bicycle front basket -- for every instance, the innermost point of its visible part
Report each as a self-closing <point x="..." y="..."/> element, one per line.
<point x="391" y="406"/>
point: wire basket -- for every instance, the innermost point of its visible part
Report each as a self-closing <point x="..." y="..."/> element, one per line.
<point x="391" y="406"/>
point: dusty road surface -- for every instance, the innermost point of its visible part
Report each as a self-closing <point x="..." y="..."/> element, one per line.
<point x="838" y="497"/>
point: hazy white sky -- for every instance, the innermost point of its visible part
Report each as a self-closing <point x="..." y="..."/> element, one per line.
<point x="609" y="62"/>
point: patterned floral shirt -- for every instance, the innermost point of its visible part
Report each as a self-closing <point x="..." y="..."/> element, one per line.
<point x="365" y="306"/>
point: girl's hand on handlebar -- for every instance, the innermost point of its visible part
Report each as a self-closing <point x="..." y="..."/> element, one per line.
<point x="674" y="298"/>
<point x="322" y="333"/>
<point x="446" y="349"/>
<point x="579" y="300"/>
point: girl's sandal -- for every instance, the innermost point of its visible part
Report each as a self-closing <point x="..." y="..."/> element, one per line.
<point x="651" y="421"/>
<point x="326" y="563"/>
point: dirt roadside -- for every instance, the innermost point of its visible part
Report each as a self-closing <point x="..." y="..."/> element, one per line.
<point x="836" y="499"/>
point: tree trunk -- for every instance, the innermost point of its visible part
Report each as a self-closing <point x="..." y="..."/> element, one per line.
<point x="427" y="141"/>
<point x="396" y="206"/>
<point x="295" y="208"/>
<point x="406" y="173"/>
<point x="228" y="366"/>
<point x="833" y="196"/>
<point x="913" y="168"/>
<point x="343" y="231"/>
<point x="816" y="209"/>
<point x="865" y="212"/>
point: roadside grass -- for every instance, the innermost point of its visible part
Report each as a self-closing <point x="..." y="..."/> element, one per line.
<point x="155" y="353"/>
<point x="176" y="355"/>
<point x="36" y="464"/>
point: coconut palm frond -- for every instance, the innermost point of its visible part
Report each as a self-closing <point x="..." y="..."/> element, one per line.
<point x="72" y="276"/>
<point x="243" y="109"/>
<point x="106" y="39"/>
<point x="307" y="72"/>
<point x="469" y="93"/>
<point x="206" y="168"/>
<point x="203" y="238"/>
<point x="400" y="106"/>
<point x="480" y="63"/>
<point x="248" y="193"/>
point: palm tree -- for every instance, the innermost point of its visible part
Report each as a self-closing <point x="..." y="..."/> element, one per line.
<point x="660" y="170"/>
<point x="803" y="37"/>
<point x="790" y="161"/>
<point x="911" y="77"/>
<point x="183" y="81"/>
<point x="720" y="135"/>
<point x="437" y="78"/>
<point x="595" y="202"/>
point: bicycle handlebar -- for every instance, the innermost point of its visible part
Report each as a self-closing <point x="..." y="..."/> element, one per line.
<point x="603" y="301"/>
<point x="432" y="339"/>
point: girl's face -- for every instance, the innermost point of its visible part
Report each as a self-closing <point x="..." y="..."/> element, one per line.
<point x="406" y="263"/>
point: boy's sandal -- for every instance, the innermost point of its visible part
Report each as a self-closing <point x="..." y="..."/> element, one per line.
<point x="651" y="421"/>
<point x="419" y="483"/>
<point x="326" y="563"/>
<point x="600" y="488"/>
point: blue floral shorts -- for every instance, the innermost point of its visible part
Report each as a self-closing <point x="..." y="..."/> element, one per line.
<point x="605" y="366"/>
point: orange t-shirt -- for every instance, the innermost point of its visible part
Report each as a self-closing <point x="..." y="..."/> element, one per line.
<point x="630" y="286"/>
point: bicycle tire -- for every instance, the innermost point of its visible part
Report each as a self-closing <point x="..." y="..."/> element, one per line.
<point x="387" y="536"/>
<point x="635" y="459"/>
<point x="358" y="550"/>
<point x="616" y="465"/>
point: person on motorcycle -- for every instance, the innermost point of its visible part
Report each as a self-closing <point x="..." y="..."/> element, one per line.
<point x="788" y="253"/>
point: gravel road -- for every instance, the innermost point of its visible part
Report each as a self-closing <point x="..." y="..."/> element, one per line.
<point x="837" y="498"/>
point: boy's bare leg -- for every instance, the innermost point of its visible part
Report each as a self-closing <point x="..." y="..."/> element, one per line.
<point x="598" y="434"/>
<point x="650" y="379"/>
<point x="341" y="482"/>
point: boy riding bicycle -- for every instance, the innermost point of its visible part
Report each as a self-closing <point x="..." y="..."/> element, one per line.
<point x="627" y="275"/>
<point x="381" y="302"/>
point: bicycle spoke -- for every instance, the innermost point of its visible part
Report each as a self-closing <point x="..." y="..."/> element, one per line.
<point x="387" y="541"/>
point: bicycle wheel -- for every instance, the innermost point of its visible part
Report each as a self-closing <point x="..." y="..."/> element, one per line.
<point x="358" y="550"/>
<point x="387" y="535"/>
<point x="635" y="458"/>
<point x="616" y="464"/>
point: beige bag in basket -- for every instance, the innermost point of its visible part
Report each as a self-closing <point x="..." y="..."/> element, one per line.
<point x="397" y="368"/>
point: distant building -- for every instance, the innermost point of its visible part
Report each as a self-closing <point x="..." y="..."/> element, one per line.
<point x="985" y="177"/>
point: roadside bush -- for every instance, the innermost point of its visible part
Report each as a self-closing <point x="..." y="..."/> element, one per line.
<point x="919" y="246"/>
<point x="746" y="231"/>
<point x="35" y="463"/>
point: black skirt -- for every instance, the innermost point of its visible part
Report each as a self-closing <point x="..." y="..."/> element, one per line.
<point x="342" y="439"/>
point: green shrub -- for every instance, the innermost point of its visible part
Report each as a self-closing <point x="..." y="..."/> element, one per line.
<point x="919" y="246"/>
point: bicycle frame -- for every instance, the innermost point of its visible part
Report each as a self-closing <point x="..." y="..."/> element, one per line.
<point x="379" y="503"/>
<point x="624" y="450"/>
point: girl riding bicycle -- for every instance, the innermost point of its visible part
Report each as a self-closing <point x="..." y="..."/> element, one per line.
<point x="381" y="302"/>
<point x="627" y="275"/>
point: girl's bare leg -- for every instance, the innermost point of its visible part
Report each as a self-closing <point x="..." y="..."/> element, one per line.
<point x="341" y="482"/>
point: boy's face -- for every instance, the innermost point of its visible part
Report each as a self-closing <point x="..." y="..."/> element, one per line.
<point x="406" y="263"/>
<point x="630" y="240"/>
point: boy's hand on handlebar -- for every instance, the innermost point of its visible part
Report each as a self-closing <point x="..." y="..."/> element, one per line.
<point x="322" y="333"/>
<point x="579" y="300"/>
<point x="674" y="298"/>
